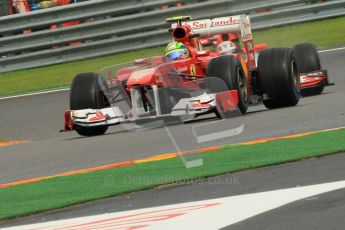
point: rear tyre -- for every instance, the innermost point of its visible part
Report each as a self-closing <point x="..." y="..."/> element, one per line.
<point x="86" y="93"/>
<point x="229" y="69"/>
<point x="278" y="77"/>
<point x="316" y="90"/>
<point x="308" y="60"/>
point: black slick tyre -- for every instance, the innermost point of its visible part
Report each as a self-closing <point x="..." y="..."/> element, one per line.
<point x="230" y="71"/>
<point x="308" y="61"/>
<point x="278" y="77"/>
<point x="86" y="93"/>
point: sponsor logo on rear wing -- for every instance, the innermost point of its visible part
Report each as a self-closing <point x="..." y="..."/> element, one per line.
<point x="230" y="24"/>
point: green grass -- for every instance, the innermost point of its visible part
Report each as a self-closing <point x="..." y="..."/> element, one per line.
<point x="64" y="191"/>
<point x="322" y="33"/>
<point x="57" y="76"/>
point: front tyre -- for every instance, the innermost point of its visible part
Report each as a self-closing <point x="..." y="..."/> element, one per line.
<point x="229" y="69"/>
<point x="86" y="93"/>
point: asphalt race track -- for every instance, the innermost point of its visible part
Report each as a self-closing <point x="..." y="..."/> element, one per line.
<point x="325" y="211"/>
<point x="39" y="118"/>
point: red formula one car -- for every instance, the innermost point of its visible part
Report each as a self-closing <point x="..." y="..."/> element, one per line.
<point x="156" y="89"/>
<point x="313" y="78"/>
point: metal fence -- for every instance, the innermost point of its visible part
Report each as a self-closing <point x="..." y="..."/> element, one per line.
<point x="108" y="27"/>
<point x="4" y="7"/>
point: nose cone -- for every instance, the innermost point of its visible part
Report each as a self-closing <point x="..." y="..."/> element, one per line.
<point x="142" y="77"/>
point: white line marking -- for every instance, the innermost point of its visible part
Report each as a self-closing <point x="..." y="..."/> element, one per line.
<point x="66" y="89"/>
<point x="219" y="213"/>
<point x="331" y="50"/>
<point x="36" y="93"/>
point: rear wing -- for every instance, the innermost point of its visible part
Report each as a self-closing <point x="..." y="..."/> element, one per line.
<point x="239" y="24"/>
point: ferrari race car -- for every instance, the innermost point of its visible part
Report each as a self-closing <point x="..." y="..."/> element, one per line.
<point x="313" y="78"/>
<point x="161" y="90"/>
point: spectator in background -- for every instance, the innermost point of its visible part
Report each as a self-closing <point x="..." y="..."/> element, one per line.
<point x="20" y="6"/>
<point x="44" y="4"/>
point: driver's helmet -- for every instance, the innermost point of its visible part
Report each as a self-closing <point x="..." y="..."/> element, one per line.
<point x="226" y="48"/>
<point x="176" y="50"/>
